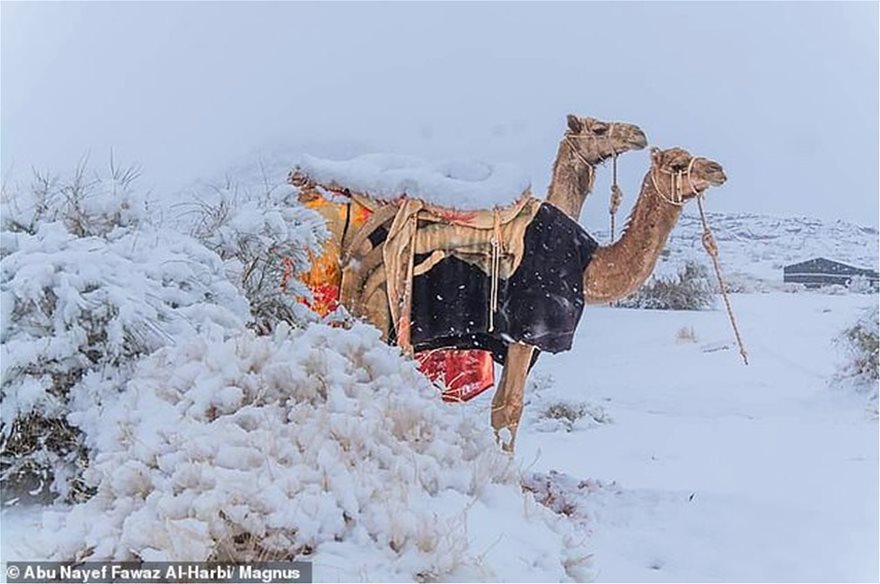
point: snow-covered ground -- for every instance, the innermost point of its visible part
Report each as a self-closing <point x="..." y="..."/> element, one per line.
<point x="702" y="469"/>
<point x="711" y="470"/>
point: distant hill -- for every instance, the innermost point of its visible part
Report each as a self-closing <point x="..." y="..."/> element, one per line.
<point x="759" y="246"/>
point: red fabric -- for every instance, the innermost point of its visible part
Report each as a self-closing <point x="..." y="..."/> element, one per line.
<point x="465" y="373"/>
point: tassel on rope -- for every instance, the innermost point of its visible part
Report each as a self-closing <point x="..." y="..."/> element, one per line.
<point x="711" y="248"/>
<point x="616" y="196"/>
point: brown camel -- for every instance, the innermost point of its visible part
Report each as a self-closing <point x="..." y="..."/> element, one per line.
<point x="587" y="142"/>
<point x="617" y="270"/>
<point x="610" y="272"/>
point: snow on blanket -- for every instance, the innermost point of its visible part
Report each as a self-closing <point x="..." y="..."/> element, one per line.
<point x="458" y="184"/>
<point x="321" y="443"/>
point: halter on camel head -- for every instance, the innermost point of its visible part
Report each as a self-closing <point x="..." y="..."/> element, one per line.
<point x="686" y="176"/>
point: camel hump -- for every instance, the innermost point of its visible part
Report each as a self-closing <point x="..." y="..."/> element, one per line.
<point x="455" y="184"/>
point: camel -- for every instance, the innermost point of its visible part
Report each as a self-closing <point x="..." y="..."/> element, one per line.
<point x="617" y="270"/>
<point x="586" y="143"/>
<point x="592" y="274"/>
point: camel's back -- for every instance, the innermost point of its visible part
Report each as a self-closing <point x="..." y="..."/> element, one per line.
<point x="462" y="185"/>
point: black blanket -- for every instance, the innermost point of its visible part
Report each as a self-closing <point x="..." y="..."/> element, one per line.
<point x="540" y="304"/>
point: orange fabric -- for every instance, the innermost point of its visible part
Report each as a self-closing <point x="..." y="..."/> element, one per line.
<point x="325" y="276"/>
<point x="464" y="373"/>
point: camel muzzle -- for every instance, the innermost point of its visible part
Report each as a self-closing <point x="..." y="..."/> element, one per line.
<point x="707" y="173"/>
<point x="638" y="140"/>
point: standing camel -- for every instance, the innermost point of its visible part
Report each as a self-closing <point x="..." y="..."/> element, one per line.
<point x="586" y="143"/>
<point x="537" y="303"/>
<point x="615" y="271"/>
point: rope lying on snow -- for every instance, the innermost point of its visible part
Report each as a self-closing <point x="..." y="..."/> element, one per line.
<point x="676" y="197"/>
<point x="711" y="247"/>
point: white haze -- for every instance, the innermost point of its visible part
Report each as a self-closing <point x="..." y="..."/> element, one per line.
<point x="784" y="95"/>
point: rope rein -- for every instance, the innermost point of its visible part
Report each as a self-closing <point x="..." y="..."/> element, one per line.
<point x="616" y="192"/>
<point x="676" y="197"/>
<point x="589" y="165"/>
<point x="711" y="247"/>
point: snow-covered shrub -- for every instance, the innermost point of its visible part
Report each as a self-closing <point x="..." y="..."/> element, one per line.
<point x="686" y="334"/>
<point x="570" y="415"/>
<point x="319" y="443"/>
<point x="860" y="344"/>
<point x="690" y="289"/>
<point x="87" y="204"/>
<point x="567" y="413"/>
<point x="743" y="283"/>
<point x="566" y="495"/>
<point x="862" y="285"/>
<point x="833" y="290"/>
<point x="88" y="285"/>
<point x="263" y="234"/>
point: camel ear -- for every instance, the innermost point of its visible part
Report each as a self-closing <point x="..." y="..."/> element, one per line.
<point x="574" y="123"/>
<point x="656" y="155"/>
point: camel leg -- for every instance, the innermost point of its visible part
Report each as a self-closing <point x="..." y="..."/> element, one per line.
<point x="507" y="405"/>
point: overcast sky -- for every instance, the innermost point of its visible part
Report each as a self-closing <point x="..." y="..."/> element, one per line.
<point x="784" y="95"/>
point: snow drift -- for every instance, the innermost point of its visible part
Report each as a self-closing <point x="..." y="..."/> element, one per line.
<point x="321" y="444"/>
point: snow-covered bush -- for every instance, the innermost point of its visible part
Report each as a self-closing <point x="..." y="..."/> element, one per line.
<point x="736" y="282"/>
<point x="860" y="344"/>
<point x="565" y="494"/>
<point x="862" y="285"/>
<point x="319" y="443"/>
<point x="791" y="287"/>
<point x="87" y="204"/>
<point x="833" y="290"/>
<point x="263" y="234"/>
<point x="88" y="285"/>
<point x="686" y="334"/>
<point x="690" y="289"/>
<point x="570" y="415"/>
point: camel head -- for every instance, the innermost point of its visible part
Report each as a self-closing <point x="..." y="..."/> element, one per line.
<point x="596" y="141"/>
<point x="680" y="176"/>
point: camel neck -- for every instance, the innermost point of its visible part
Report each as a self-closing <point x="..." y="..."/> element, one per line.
<point x="571" y="182"/>
<point x="619" y="269"/>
